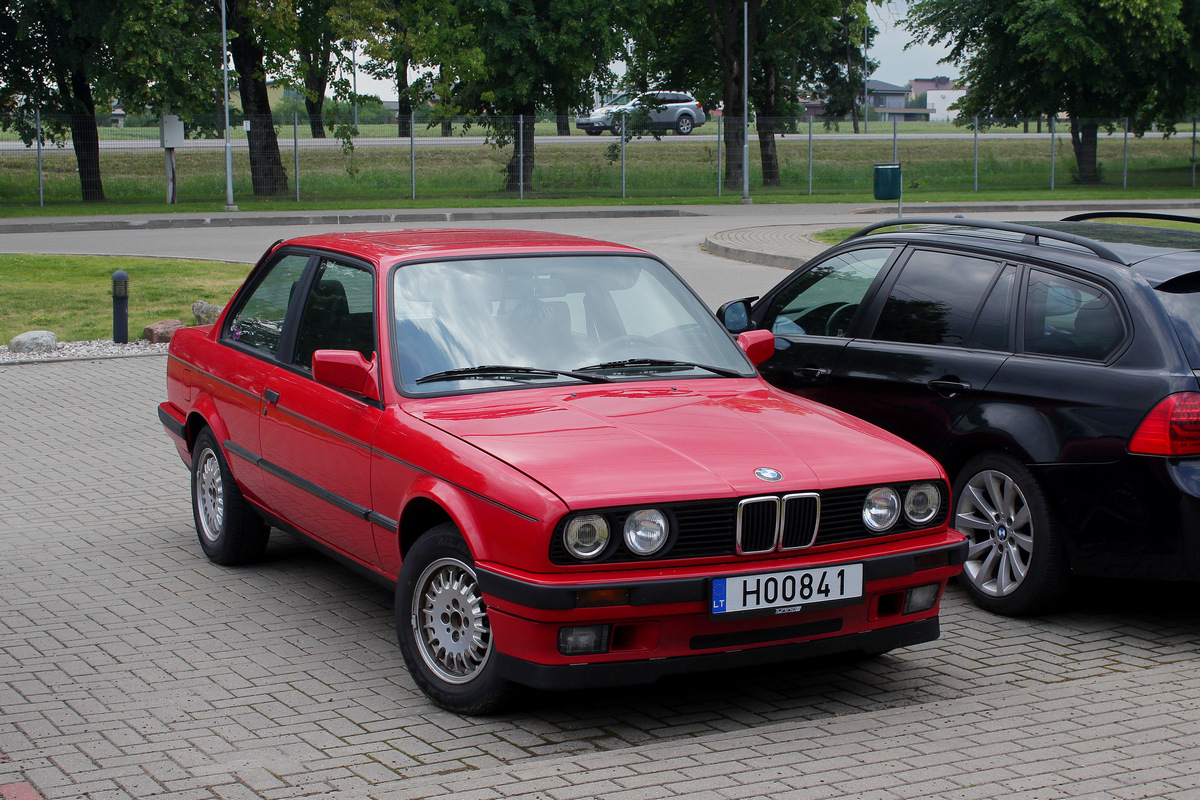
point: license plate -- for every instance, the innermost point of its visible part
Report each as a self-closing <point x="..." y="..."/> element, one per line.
<point x="785" y="592"/>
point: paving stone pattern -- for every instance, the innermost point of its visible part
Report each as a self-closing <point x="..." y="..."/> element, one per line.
<point x="131" y="667"/>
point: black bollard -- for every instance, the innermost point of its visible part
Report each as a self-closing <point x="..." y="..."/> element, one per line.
<point x="120" y="295"/>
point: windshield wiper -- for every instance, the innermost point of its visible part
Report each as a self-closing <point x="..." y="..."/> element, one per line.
<point x="504" y="372"/>
<point x="660" y="364"/>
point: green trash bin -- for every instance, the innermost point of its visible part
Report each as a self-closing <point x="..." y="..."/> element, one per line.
<point x="887" y="182"/>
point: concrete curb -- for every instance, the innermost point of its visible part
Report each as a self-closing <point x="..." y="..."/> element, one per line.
<point x="52" y="225"/>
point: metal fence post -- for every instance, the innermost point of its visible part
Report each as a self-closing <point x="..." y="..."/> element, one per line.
<point x="895" y="141"/>
<point x="1052" y="154"/>
<point x="296" y="149"/>
<point x="1125" y="158"/>
<point x="1193" y="151"/>
<point x="623" y="120"/>
<point x="42" y="189"/>
<point x="412" y="153"/>
<point x="810" y="155"/>
<point x="976" y="157"/>
<point x="521" y="155"/>
<point x="720" y="175"/>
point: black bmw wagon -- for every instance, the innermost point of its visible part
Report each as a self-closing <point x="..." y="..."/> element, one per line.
<point x="1051" y="369"/>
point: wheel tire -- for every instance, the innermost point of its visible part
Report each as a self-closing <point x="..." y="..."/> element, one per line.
<point x="442" y="626"/>
<point x="594" y="131"/>
<point x="230" y="529"/>
<point x="1015" y="563"/>
<point x="684" y="125"/>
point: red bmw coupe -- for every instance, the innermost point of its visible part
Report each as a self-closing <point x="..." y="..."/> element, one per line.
<point x="568" y="470"/>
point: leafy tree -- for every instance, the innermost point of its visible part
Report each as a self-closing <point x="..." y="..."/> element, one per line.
<point x="76" y="57"/>
<point x="1095" y="60"/>
<point x="505" y="59"/>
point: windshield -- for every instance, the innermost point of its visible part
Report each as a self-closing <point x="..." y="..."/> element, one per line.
<point x="510" y="322"/>
<point x="621" y="99"/>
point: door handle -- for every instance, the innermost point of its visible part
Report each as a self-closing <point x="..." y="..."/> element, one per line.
<point x="810" y="374"/>
<point x="949" y="388"/>
<point x="271" y="396"/>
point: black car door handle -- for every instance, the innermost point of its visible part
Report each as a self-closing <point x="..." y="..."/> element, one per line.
<point x="949" y="388"/>
<point x="271" y="396"/>
<point x="810" y="374"/>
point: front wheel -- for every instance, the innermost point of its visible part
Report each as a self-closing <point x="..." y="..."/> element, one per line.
<point x="230" y="530"/>
<point x="443" y="628"/>
<point x="684" y="125"/>
<point x="1015" y="561"/>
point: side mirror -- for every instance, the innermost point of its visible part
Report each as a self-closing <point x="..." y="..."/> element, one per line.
<point x="346" y="370"/>
<point x="735" y="315"/>
<point x="758" y="345"/>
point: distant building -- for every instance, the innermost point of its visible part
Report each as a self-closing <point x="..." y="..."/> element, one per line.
<point x="940" y="93"/>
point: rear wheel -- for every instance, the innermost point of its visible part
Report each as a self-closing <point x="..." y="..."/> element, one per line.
<point x="443" y="628"/>
<point x="1015" y="561"/>
<point x="230" y="530"/>
<point x="684" y="125"/>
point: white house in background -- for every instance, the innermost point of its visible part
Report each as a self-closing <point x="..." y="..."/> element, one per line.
<point x="940" y="93"/>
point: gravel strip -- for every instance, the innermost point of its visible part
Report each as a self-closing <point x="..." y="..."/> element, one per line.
<point x="84" y="351"/>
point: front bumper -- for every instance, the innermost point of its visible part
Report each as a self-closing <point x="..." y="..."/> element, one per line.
<point x="662" y="626"/>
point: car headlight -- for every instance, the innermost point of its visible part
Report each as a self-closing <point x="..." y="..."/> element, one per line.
<point x="922" y="503"/>
<point x="586" y="537"/>
<point x="646" y="531"/>
<point x="881" y="509"/>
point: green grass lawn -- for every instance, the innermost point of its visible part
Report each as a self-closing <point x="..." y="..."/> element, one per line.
<point x="72" y="295"/>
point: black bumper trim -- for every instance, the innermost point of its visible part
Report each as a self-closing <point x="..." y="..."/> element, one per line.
<point x="629" y="673"/>
<point x="688" y="590"/>
<point x="173" y="426"/>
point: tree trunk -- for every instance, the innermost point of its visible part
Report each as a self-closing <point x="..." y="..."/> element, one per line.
<point x="725" y="24"/>
<point x="519" y="171"/>
<point x="316" y="81"/>
<point x="1083" y="141"/>
<point x="766" y="150"/>
<point x="563" y="118"/>
<point x="768" y="109"/>
<point x="86" y="139"/>
<point x="266" y="166"/>
<point x="316" y="116"/>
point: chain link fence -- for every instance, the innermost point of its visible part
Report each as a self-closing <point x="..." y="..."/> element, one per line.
<point x="473" y="160"/>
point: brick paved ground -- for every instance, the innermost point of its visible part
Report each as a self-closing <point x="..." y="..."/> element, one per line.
<point x="131" y="667"/>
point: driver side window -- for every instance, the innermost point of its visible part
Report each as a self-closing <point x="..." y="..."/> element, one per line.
<point x="825" y="298"/>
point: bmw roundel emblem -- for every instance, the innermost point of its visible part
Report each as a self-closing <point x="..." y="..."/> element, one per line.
<point x="768" y="474"/>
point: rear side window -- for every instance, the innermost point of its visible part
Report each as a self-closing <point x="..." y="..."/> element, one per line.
<point x="937" y="299"/>
<point x="1065" y="317"/>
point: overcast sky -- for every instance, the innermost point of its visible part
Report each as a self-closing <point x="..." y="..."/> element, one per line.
<point x="896" y="65"/>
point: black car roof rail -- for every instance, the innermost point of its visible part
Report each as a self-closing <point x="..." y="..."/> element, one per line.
<point x="1131" y="215"/>
<point x="1032" y="234"/>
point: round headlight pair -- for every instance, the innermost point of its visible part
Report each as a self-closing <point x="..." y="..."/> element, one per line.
<point x="882" y="508"/>
<point x="646" y="533"/>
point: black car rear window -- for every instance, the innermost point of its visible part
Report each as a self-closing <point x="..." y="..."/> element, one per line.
<point x="1184" y="310"/>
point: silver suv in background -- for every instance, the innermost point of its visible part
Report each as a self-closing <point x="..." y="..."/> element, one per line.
<point x="675" y="111"/>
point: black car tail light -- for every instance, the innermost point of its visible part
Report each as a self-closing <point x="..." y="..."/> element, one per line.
<point x="1172" y="428"/>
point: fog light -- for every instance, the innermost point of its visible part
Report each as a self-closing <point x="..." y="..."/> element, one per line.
<point x="583" y="640"/>
<point x="921" y="598"/>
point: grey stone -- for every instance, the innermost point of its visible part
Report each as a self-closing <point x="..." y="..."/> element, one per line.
<point x="162" y="331"/>
<point x="206" y="313"/>
<point x="33" y="342"/>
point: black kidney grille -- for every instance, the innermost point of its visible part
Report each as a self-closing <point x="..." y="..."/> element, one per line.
<point x="711" y="528"/>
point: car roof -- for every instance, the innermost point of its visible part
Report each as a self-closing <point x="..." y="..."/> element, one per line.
<point x="1157" y="254"/>
<point x="420" y="243"/>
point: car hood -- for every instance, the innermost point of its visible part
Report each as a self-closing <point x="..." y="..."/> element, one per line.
<point x="638" y="443"/>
